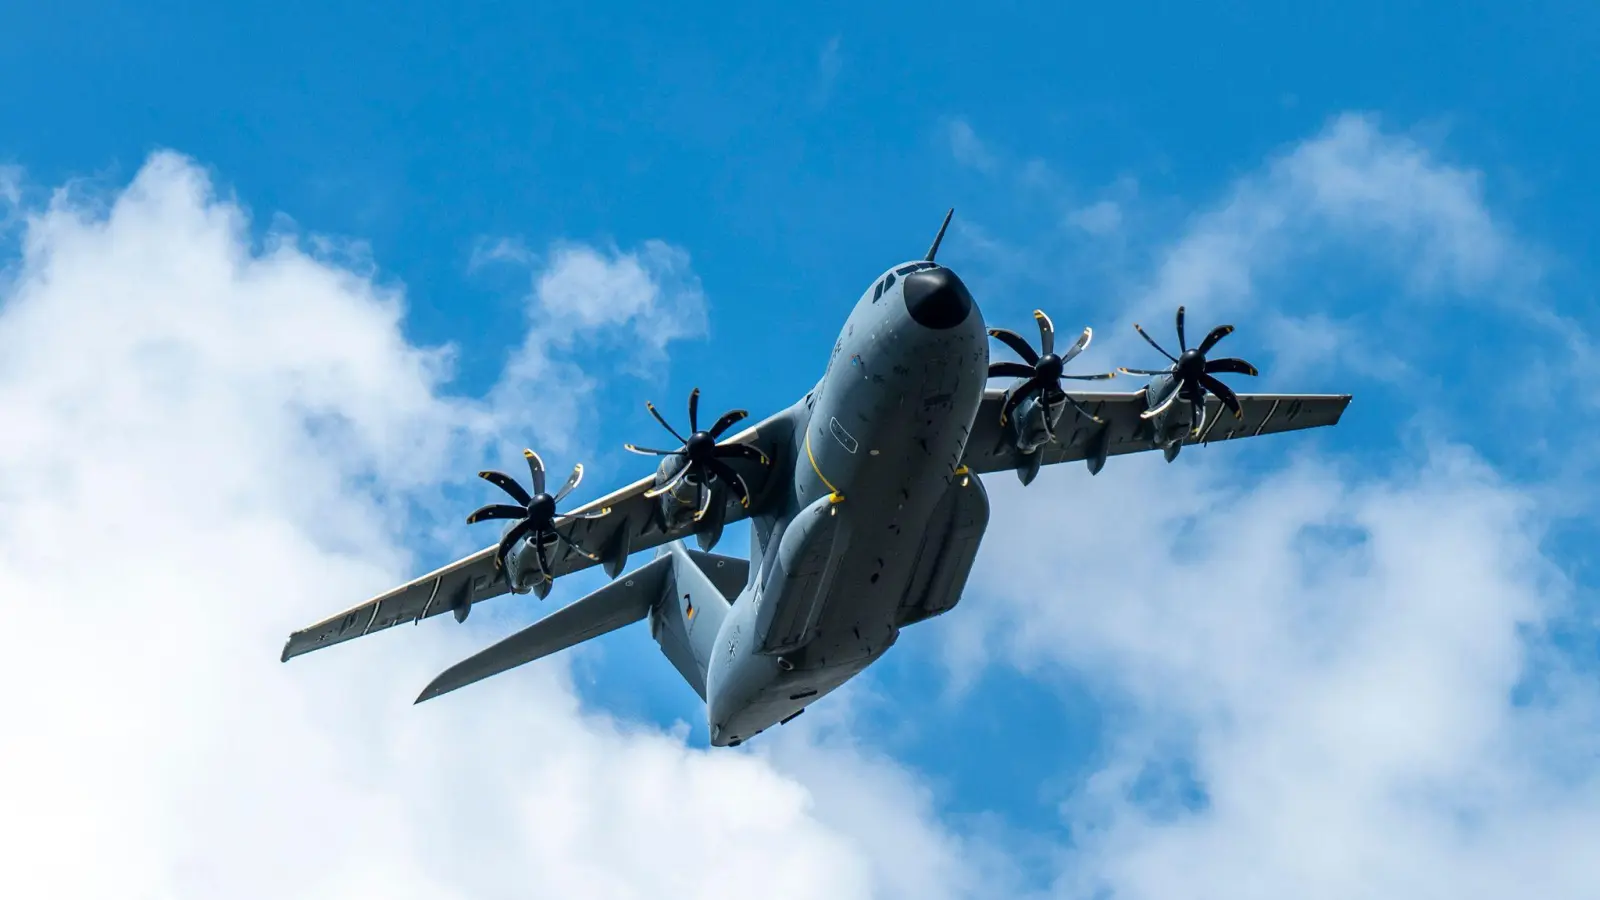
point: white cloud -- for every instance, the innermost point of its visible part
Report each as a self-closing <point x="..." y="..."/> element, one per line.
<point x="651" y="289"/>
<point x="1358" y="197"/>
<point x="1100" y="218"/>
<point x="967" y="148"/>
<point x="1331" y="652"/>
<point x="202" y="449"/>
<point x="1354" y="198"/>
<point x="1334" y="655"/>
<point x="630" y="305"/>
<point x="222" y="437"/>
<point x="829" y="64"/>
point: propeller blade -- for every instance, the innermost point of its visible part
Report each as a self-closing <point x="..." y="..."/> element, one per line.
<point x="1164" y="405"/>
<point x="1078" y="346"/>
<point x="1101" y="377"/>
<point x="1047" y="333"/>
<point x="1015" y="342"/>
<point x="600" y="513"/>
<point x="1081" y="411"/>
<point x="1198" y="415"/>
<point x="536" y="469"/>
<point x="694" y="411"/>
<point x="1217" y="334"/>
<point x="702" y="499"/>
<point x="672" y="484"/>
<point x="740" y="451"/>
<point x="1224" y="393"/>
<point x="652" y="407"/>
<point x="1008" y="369"/>
<point x="503" y="481"/>
<point x="572" y="482"/>
<point x="1230" y="364"/>
<point x="1183" y="346"/>
<point x="1127" y="371"/>
<point x="575" y="548"/>
<point x="497" y="511"/>
<point x="1018" y="395"/>
<point x="1152" y="342"/>
<point x="542" y="556"/>
<point x="732" y="479"/>
<point x="649" y="451"/>
<point x="728" y="420"/>
<point x="509" y="540"/>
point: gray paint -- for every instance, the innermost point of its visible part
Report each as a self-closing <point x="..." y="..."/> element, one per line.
<point x="867" y="519"/>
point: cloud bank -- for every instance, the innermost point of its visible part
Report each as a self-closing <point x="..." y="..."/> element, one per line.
<point x="1344" y="677"/>
<point x="1328" y="679"/>
<point x="207" y="438"/>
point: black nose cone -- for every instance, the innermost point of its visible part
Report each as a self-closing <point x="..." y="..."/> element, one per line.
<point x="936" y="298"/>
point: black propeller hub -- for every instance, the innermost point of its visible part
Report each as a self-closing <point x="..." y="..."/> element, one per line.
<point x="534" y="517"/>
<point x="700" y="447"/>
<point x="1190" y="366"/>
<point x="542" y="510"/>
<point x="1042" y="370"/>
<point x="704" y="458"/>
<point x="1195" y="375"/>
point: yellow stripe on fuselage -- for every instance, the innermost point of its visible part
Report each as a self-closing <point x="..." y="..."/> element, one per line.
<point x="837" y="497"/>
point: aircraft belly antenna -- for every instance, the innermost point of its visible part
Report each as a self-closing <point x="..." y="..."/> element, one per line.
<point x="934" y="250"/>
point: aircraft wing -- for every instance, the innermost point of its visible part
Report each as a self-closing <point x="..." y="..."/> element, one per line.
<point x="632" y="525"/>
<point x="990" y="447"/>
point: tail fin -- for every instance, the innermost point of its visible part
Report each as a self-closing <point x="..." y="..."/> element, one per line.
<point x="685" y="623"/>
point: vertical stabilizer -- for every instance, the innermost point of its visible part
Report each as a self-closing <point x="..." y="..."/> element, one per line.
<point x="686" y="622"/>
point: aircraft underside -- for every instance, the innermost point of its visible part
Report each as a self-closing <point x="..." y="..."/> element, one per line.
<point x="864" y="500"/>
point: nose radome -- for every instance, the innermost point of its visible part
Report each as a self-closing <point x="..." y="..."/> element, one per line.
<point x="937" y="299"/>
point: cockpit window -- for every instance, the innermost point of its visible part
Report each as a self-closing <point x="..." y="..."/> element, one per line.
<point x="888" y="281"/>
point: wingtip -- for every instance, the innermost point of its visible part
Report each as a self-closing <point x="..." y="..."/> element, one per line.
<point x="434" y="689"/>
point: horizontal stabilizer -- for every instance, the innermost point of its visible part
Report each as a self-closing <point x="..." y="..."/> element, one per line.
<point x="622" y="602"/>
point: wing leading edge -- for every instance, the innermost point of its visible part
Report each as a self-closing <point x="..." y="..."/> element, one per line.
<point x="633" y="524"/>
<point x="991" y="449"/>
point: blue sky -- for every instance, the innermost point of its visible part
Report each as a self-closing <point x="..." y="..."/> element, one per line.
<point x="1392" y="202"/>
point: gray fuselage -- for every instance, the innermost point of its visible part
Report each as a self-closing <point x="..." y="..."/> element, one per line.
<point x="878" y="447"/>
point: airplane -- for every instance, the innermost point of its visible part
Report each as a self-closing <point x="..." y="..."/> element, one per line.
<point x="865" y="500"/>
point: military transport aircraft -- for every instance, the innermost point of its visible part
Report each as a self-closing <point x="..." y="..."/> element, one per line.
<point x="864" y="500"/>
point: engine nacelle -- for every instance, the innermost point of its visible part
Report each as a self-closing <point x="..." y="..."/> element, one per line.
<point x="523" y="573"/>
<point x="1034" y="421"/>
<point x="677" y="506"/>
<point x="1168" y="430"/>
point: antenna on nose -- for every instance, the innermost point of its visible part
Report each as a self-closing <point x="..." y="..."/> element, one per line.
<point x="934" y="250"/>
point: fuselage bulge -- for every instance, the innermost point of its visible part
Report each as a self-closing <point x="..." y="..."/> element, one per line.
<point x="877" y="455"/>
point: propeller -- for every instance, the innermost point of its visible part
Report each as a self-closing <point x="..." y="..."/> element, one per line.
<point x="1043" y="368"/>
<point x="1196" y="375"/>
<point x="535" y="514"/>
<point x="705" y="457"/>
